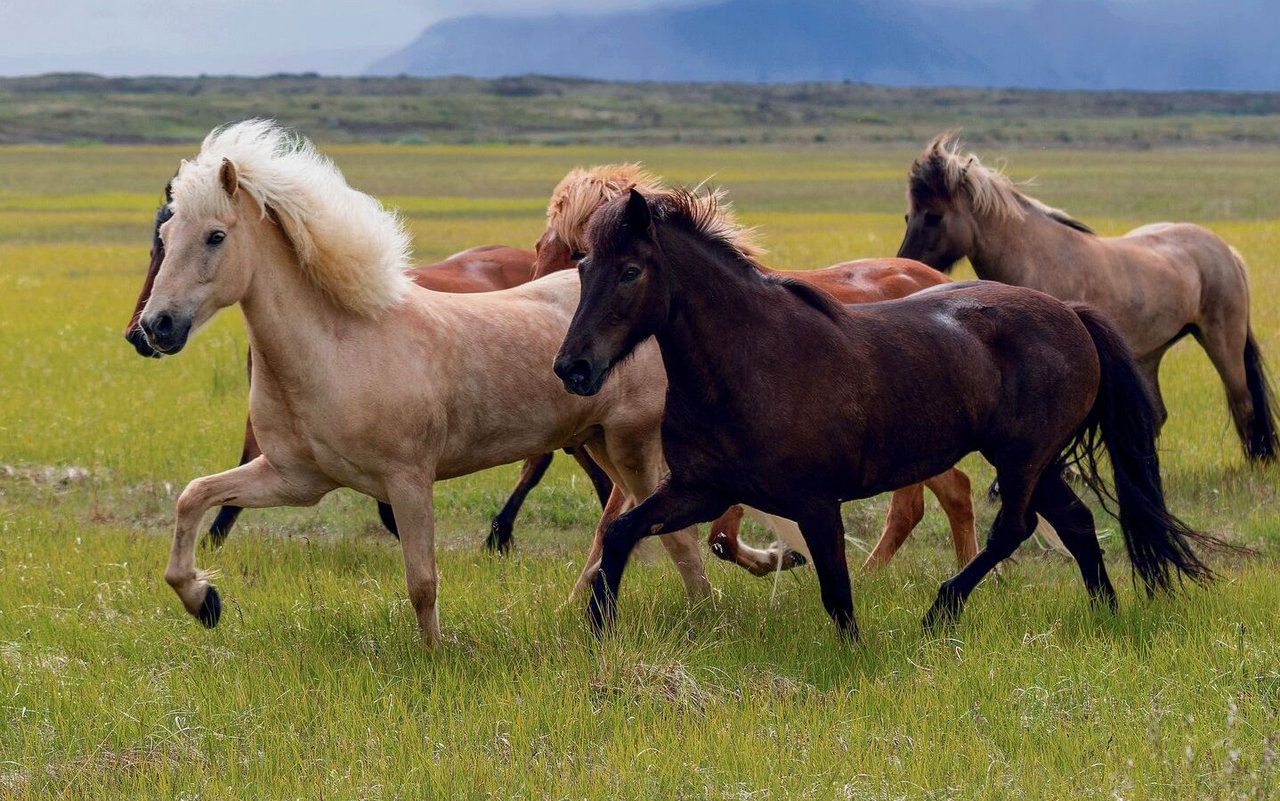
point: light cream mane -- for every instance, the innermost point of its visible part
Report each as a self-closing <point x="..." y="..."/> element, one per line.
<point x="582" y="191"/>
<point x="941" y="166"/>
<point x="347" y="243"/>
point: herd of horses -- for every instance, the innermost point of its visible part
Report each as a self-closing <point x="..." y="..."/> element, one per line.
<point x="692" y="383"/>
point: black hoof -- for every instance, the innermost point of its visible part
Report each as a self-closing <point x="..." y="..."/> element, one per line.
<point x="211" y="609"/>
<point x="943" y="613"/>
<point x="499" y="539"/>
<point x="720" y="547"/>
<point x="792" y="559"/>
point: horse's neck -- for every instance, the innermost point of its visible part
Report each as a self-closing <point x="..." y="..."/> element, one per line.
<point x="1019" y="251"/>
<point x="715" y="310"/>
<point x="293" y="326"/>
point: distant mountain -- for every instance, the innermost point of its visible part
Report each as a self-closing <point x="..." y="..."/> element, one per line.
<point x="1082" y="44"/>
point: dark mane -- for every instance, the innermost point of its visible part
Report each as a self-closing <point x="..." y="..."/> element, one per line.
<point x="1071" y="222"/>
<point x="810" y="294"/>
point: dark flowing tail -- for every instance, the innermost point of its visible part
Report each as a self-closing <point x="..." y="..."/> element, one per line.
<point x="1124" y="420"/>
<point x="1260" y="441"/>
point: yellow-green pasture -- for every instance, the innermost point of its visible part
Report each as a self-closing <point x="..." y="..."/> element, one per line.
<point x="314" y="685"/>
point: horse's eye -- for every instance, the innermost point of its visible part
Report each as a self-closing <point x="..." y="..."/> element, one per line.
<point x="630" y="274"/>
<point x="577" y="255"/>
<point x="932" y="219"/>
<point x="216" y="237"/>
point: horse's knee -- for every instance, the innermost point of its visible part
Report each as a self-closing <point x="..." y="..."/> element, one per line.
<point x="194" y="499"/>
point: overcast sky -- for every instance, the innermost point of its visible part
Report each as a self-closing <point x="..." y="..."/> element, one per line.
<point x="250" y="37"/>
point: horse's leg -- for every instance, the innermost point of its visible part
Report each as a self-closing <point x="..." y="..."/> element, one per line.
<point x="600" y="480"/>
<point x="955" y="496"/>
<point x="669" y="508"/>
<point x="613" y="507"/>
<point x="226" y="518"/>
<point x="411" y="498"/>
<point x="634" y="457"/>
<point x="531" y="472"/>
<point x="824" y="534"/>
<point x="1013" y="524"/>
<point x="906" y="510"/>
<point x="1058" y="503"/>
<point x="1225" y="344"/>
<point x="725" y="544"/>
<point x="253" y="485"/>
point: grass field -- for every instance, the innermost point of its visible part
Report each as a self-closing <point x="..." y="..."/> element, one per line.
<point x="314" y="685"/>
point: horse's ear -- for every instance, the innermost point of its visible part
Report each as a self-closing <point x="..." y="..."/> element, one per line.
<point x="230" y="181"/>
<point x="637" y="215"/>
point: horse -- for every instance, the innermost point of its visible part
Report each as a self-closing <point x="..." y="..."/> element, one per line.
<point x="861" y="399"/>
<point x="485" y="268"/>
<point x="363" y="379"/>
<point x="1157" y="283"/>
<point x="582" y="191"/>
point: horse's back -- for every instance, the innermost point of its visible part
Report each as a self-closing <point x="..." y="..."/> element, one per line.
<point x="480" y="269"/>
<point x="870" y="280"/>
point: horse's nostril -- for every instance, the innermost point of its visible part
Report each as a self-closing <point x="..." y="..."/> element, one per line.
<point x="163" y="325"/>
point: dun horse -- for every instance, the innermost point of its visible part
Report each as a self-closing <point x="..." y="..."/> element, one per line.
<point x="1156" y="283"/>
<point x="583" y="191"/>
<point x="480" y="269"/>
<point x="361" y="378"/>
<point x="861" y="399"/>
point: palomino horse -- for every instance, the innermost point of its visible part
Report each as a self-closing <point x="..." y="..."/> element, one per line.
<point x="861" y="399"/>
<point x="361" y="378"/>
<point x="480" y="269"/>
<point x="583" y="191"/>
<point x="1156" y="283"/>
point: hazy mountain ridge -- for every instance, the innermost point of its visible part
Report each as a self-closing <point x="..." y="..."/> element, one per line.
<point x="1079" y="45"/>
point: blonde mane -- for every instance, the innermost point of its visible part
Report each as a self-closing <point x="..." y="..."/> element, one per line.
<point x="347" y="243"/>
<point x="941" y="169"/>
<point x="583" y="190"/>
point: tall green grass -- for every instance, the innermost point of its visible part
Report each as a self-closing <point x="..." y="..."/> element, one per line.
<point x="314" y="684"/>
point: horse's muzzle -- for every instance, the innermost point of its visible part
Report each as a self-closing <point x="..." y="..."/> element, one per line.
<point x="139" y="342"/>
<point x="580" y="376"/>
<point x="165" y="331"/>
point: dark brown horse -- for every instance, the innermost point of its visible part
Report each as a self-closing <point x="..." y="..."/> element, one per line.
<point x="480" y="269"/>
<point x="862" y="399"/>
<point x="577" y="197"/>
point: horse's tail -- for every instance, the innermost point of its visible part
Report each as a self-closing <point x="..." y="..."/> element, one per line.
<point x="1124" y="419"/>
<point x="1261" y="440"/>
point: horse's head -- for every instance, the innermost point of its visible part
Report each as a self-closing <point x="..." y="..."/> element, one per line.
<point x="941" y="228"/>
<point x="551" y="254"/>
<point x="572" y="203"/>
<point x="625" y="296"/>
<point x="202" y="250"/>
<point x="133" y="331"/>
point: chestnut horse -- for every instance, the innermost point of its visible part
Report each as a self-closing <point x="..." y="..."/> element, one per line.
<point x="363" y="379"/>
<point x="1156" y="283"/>
<point x="583" y="191"/>
<point x="480" y="269"/>
<point x="861" y="399"/>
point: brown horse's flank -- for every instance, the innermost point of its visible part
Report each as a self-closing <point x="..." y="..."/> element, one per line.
<point x="863" y="399"/>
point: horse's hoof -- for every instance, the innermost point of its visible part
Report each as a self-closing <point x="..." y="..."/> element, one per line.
<point x="499" y="539"/>
<point x="720" y="547"/>
<point x="792" y="559"/>
<point x="210" y="609"/>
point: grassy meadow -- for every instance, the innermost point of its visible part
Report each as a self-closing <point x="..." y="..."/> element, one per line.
<point x="314" y="685"/>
